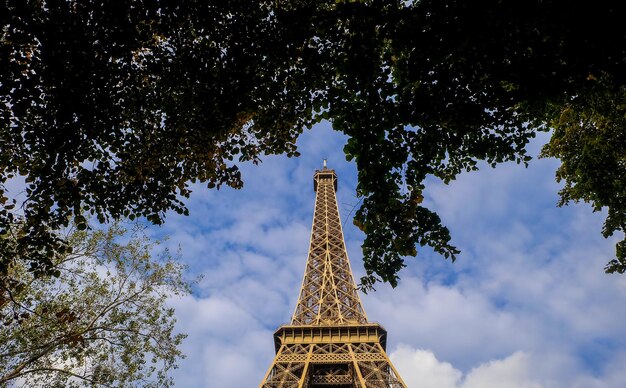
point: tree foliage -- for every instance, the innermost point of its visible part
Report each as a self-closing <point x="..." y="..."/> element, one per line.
<point x="112" y="109"/>
<point x="590" y="140"/>
<point x="102" y="322"/>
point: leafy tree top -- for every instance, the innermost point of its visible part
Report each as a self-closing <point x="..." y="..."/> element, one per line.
<point x="112" y="109"/>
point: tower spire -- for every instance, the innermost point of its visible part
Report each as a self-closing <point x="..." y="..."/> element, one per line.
<point x="328" y="294"/>
<point x="330" y="342"/>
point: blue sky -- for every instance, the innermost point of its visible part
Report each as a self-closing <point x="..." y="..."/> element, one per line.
<point x="527" y="303"/>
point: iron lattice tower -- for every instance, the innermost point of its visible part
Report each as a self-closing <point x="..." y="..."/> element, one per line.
<point x="330" y="342"/>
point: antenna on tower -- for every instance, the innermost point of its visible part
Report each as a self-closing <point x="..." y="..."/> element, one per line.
<point x="324" y="163"/>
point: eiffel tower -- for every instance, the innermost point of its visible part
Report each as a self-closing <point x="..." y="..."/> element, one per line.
<point x="330" y="342"/>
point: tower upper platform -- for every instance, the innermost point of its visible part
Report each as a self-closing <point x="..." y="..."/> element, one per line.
<point x="324" y="174"/>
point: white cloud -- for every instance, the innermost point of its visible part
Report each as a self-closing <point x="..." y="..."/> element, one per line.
<point x="226" y="347"/>
<point x="512" y="372"/>
<point x="420" y="368"/>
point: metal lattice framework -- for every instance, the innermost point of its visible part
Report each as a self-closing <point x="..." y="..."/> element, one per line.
<point x="330" y="342"/>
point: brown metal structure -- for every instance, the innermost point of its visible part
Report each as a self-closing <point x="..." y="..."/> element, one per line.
<point x="330" y="342"/>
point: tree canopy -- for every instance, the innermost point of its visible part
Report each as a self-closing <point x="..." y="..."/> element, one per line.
<point x="102" y="322"/>
<point x="111" y="109"/>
